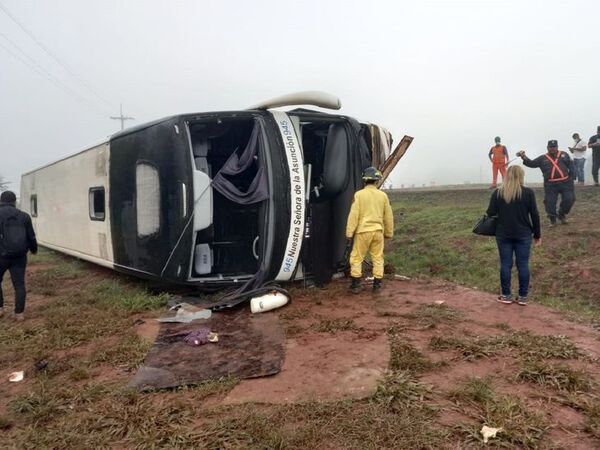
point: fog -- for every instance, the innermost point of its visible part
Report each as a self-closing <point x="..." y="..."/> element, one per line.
<point x="453" y="74"/>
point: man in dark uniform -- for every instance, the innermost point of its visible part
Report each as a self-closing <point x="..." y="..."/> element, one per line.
<point x="16" y="239"/>
<point x="559" y="172"/>
<point x="594" y="144"/>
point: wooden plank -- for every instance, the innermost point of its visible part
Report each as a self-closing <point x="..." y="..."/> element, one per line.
<point x="394" y="158"/>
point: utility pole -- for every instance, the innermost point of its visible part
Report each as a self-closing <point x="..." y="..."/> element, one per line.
<point x="122" y="118"/>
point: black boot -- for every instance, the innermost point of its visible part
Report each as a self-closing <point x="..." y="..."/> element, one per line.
<point x="355" y="286"/>
<point x="376" y="284"/>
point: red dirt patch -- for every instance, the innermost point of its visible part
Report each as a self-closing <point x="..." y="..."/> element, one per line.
<point x="320" y="366"/>
<point x="147" y="328"/>
<point x="310" y="352"/>
<point x="349" y="363"/>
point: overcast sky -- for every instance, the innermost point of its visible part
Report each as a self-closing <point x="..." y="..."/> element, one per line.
<point x="453" y="74"/>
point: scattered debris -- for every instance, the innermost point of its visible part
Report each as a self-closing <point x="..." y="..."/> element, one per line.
<point x="489" y="432"/>
<point x="201" y="336"/>
<point x="402" y="277"/>
<point x="41" y="364"/>
<point x="15" y="377"/>
<point x="269" y="301"/>
<point x="186" y="313"/>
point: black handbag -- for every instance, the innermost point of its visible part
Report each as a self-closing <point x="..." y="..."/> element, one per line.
<point x="486" y="226"/>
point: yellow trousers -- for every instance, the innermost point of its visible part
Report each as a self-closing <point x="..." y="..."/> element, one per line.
<point x="368" y="242"/>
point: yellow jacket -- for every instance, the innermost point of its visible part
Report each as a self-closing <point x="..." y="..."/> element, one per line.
<point x="371" y="211"/>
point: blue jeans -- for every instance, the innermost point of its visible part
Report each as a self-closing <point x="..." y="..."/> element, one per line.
<point x="520" y="248"/>
<point x="579" y="172"/>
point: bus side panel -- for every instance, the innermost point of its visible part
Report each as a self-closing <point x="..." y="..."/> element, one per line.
<point x="61" y="193"/>
<point x="280" y="197"/>
<point x="151" y="169"/>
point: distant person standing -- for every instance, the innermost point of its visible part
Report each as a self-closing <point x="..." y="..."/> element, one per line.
<point x="558" y="171"/>
<point x="518" y="219"/>
<point x="594" y="144"/>
<point x="579" y="148"/>
<point x="498" y="157"/>
<point x="16" y="239"/>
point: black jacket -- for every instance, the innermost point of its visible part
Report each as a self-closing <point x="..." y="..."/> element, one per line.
<point x="595" y="139"/>
<point x="8" y="211"/>
<point x="552" y="175"/>
<point x="517" y="219"/>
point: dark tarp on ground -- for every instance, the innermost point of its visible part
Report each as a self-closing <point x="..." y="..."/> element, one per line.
<point x="249" y="346"/>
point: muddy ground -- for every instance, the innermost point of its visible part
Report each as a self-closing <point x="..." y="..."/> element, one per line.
<point x="340" y="346"/>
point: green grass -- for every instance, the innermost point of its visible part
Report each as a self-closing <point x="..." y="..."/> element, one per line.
<point x="433" y="238"/>
<point x="523" y="343"/>
<point x="522" y="427"/>
<point x="557" y="376"/>
<point x="403" y="355"/>
<point x="114" y="294"/>
<point x="81" y="308"/>
<point x="429" y="316"/>
<point x="473" y="389"/>
<point x="336" y="325"/>
<point x="129" y="351"/>
<point x="50" y="280"/>
<point x="587" y="403"/>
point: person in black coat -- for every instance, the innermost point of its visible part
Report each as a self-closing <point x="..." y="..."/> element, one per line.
<point x="16" y="239"/>
<point x="559" y="173"/>
<point x="594" y="144"/>
<point x="518" y="220"/>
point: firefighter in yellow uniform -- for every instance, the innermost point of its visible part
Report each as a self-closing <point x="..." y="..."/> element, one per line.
<point x="369" y="222"/>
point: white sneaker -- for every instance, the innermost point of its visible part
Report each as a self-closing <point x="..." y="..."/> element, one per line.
<point x="506" y="299"/>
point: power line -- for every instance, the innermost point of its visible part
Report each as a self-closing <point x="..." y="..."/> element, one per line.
<point x="122" y="118"/>
<point x="53" y="55"/>
<point x="43" y="73"/>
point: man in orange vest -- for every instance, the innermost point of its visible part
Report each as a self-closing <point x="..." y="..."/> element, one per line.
<point x="498" y="157"/>
<point x="559" y="172"/>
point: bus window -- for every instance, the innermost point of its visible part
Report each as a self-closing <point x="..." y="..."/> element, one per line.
<point x="97" y="203"/>
<point x="33" y="206"/>
<point x="147" y="199"/>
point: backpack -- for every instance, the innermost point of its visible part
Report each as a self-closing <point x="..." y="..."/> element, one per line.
<point x="13" y="237"/>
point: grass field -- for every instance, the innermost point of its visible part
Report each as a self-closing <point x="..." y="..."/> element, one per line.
<point x="433" y="238"/>
<point x="81" y="322"/>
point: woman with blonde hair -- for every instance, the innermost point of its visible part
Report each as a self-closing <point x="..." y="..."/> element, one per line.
<point x="518" y="219"/>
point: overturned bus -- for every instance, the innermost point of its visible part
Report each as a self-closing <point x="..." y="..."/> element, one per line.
<point x="212" y="198"/>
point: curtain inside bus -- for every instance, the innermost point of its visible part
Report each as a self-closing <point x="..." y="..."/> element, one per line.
<point x="231" y="180"/>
